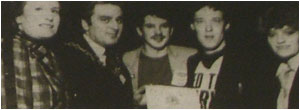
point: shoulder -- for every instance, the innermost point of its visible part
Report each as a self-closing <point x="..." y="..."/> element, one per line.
<point x="74" y="47"/>
<point x="130" y="55"/>
<point x="183" y="51"/>
<point x="74" y="50"/>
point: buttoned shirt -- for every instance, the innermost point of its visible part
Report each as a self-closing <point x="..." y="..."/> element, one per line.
<point x="286" y="74"/>
<point x="98" y="49"/>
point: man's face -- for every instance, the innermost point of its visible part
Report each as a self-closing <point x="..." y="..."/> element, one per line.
<point x="284" y="41"/>
<point x="39" y="20"/>
<point x="156" y="31"/>
<point x="209" y="26"/>
<point x="106" y="24"/>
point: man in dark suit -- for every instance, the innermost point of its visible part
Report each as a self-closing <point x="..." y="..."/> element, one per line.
<point x="276" y="80"/>
<point x="214" y="69"/>
<point x="95" y="75"/>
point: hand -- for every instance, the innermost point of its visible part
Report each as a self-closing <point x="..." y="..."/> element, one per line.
<point x="140" y="97"/>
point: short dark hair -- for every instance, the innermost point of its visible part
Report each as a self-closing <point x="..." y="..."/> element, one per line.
<point x="157" y="9"/>
<point x="217" y="6"/>
<point x="90" y="6"/>
<point x="279" y="16"/>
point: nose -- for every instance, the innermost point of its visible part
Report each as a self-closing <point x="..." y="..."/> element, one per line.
<point x="49" y="17"/>
<point x="280" y="39"/>
<point x="114" y="25"/>
<point x="157" y="30"/>
<point x="208" y="27"/>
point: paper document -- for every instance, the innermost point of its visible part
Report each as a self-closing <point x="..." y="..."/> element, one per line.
<point x="169" y="97"/>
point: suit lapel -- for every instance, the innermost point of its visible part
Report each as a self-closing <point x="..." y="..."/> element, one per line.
<point x="134" y="67"/>
<point x="172" y="59"/>
<point x="88" y="51"/>
<point x="294" y="94"/>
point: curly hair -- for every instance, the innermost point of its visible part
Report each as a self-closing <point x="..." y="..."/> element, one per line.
<point x="160" y="10"/>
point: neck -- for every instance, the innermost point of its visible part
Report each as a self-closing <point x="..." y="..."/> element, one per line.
<point x="94" y="45"/>
<point x="31" y="40"/>
<point x="215" y="51"/>
<point x="26" y="37"/>
<point x="93" y="39"/>
<point x="154" y="53"/>
<point x="294" y="62"/>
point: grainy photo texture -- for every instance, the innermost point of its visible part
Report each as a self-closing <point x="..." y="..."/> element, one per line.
<point x="149" y="54"/>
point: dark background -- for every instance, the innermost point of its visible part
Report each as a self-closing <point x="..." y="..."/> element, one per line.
<point x="243" y="35"/>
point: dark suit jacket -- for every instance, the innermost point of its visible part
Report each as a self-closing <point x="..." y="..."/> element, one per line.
<point x="294" y="94"/>
<point x="91" y="85"/>
<point x="227" y="89"/>
<point x="261" y="87"/>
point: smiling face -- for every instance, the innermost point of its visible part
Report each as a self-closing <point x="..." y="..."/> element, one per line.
<point x="210" y="26"/>
<point x="106" y="24"/>
<point x="39" y="20"/>
<point x="284" y="41"/>
<point x="156" y="31"/>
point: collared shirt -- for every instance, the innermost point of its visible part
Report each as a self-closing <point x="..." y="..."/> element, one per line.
<point x="36" y="82"/>
<point x="286" y="74"/>
<point x="98" y="49"/>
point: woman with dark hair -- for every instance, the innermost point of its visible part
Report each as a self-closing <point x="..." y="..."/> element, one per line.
<point x="281" y="27"/>
<point x="274" y="81"/>
<point x="30" y="75"/>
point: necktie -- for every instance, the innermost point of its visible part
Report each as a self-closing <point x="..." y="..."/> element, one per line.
<point x="113" y="65"/>
<point x="283" y="77"/>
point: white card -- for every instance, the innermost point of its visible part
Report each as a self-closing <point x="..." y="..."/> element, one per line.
<point x="169" y="97"/>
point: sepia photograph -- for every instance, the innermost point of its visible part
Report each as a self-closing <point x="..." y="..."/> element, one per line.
<point x="149" y="55"/>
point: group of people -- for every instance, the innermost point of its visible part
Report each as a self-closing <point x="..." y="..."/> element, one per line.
<point x="90" y="72"/>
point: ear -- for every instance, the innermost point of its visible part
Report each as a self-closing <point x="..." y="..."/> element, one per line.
<point x="139" y="31"/>
<point x="84" y="25"/>
<point x="19" y="21"/>
<point x="227" y="26"/>
<point x="171" y="31"/>
<point x="192" y="27"/>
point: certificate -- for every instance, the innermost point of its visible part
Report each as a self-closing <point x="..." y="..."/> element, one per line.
<point x="169" y="97"/>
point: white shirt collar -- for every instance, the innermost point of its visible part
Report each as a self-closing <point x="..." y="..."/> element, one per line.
<point x="294" y="62"/>
<point x="98" y="49"/>
<point x="286" y="82"/>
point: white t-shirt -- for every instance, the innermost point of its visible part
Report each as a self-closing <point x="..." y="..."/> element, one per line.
<point x="205" y="80"/>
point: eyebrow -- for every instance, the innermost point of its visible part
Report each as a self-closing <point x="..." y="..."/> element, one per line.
<point x="218" y="18"/>
<point x="104" y="16"/>
<point x="55" y="8"/>
<point x="148" y="24"/>
<point x="120" y="17"/>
